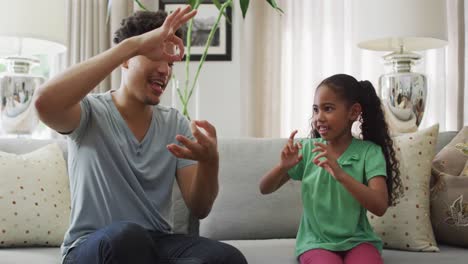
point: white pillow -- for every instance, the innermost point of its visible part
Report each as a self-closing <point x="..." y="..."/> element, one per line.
<point x="407" y="226"/>
<point x="34" y="198"/>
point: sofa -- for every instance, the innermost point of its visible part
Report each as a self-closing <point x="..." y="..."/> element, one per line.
<point x="263" y="227"/>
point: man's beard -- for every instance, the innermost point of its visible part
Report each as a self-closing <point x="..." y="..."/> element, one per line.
<point x="148" y="101"/>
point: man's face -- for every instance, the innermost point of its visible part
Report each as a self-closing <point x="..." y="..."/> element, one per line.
<point x="147" y="79"/>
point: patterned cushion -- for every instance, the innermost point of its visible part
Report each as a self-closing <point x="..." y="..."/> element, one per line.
<point x="34" y="198"/>
<point x="449" y="195"/>
<point x="451" y="159"/>
<point x="407" y="226"/>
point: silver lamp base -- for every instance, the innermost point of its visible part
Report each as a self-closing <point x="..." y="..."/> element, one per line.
<point x="403" y="92"/>
<point x="17" y="93"/>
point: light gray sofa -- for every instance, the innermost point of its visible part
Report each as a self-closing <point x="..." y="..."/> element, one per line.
<point x="262" y="227"/>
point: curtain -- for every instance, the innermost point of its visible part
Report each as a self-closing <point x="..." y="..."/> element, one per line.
<point x="89" y="32"/>
<point x="284" y="57"/>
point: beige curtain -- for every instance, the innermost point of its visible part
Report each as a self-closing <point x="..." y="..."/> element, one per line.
<point x="89" y="34"/>
<point x="455" y="92"/>
<point x="261" y="67"/>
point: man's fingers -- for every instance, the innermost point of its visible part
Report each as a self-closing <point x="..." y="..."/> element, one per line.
<point x="186" y="16"/>
<point x="171" y="18"/>
<point x="180" y="152"/>
<point x="209" y="128"/>
<point x="192" y="146"/>
<point x="170" y="57"/>
<point x="179" y="44"/>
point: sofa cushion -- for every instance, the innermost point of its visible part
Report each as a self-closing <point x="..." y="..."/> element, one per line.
<point x="407" y="225"/>
<point x="449" y="211"/>
<point x="34" y="198"/>
<point x="41" y="255"/>
<point x="450" y="160"/>
<point x="274" y="251"/>
<point x="240" y="211"/>
<point x="449" y="192"/>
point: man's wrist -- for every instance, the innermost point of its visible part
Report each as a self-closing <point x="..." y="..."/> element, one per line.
<point x="212" y="161"/>
<point x="131" y="45"/>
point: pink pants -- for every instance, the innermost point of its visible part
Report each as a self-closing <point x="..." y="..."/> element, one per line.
<point x="364" y="253"/>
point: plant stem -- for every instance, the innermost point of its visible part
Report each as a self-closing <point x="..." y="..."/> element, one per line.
<point x="187" y="55"/>
<point x="207" y="45"/>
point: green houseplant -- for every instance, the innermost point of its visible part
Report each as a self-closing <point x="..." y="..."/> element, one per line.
<point x="189" y="85"/>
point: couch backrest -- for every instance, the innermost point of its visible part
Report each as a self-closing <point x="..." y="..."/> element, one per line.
<point x="240" y="211"/>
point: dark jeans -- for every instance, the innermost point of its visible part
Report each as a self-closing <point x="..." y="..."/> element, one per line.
<point x="125" y="242"/>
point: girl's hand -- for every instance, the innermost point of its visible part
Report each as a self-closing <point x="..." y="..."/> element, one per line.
<point x="329" y="163"/>
<point x="158" y="44"/>
<point x="290" y="155"/>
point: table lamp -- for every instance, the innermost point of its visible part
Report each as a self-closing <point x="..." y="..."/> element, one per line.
<point x="401" y="27"/>
<point x="27" y="28"/>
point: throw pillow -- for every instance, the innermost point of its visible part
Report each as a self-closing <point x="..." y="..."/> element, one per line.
<point x="407" y="226"/>
<point x="449" y="196"/>
<point x="449" y="211"/>
<point x="451" y="159"/>
<point x="34" y="198"/>
<point x="464" y="172"/>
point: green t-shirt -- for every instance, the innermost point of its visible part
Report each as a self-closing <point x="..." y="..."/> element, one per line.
<point x="332" y="218"/>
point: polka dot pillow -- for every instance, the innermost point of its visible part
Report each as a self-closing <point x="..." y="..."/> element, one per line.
<point x="407" y="226"/>
<point x="34" y="198"/>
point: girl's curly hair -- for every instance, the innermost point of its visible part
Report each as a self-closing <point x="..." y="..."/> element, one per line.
<point x="373" y="125"/>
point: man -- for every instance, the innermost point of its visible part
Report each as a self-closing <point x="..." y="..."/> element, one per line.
<point x="125" y="152"/>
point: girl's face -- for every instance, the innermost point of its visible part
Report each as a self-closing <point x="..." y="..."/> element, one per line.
<point x="332" y="115"/>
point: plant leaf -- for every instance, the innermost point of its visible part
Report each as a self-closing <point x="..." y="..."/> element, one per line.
<point x="244" y="4"/>
<point x="217" y="3"/>
<point x="141" y="5"/>
<point x="274" y="4"/>
<point x="192" y="3"/>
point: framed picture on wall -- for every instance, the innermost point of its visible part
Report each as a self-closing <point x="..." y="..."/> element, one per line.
<point x="220" y="49"/>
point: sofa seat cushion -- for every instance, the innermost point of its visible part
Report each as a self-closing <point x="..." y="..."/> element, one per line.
<point x="42" y="255"/>
<point x="282" y="251"/>
<point x="266" y="251"/>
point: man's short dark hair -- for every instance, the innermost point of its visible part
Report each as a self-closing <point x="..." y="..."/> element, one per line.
<point x="139" y="23"/>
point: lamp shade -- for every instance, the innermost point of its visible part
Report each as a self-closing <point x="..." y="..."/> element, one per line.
<point x="32" y="26"/>
<point x="386" y="25"/>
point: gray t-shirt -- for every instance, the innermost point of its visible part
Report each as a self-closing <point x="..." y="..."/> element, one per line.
<point x="113" y="177"/>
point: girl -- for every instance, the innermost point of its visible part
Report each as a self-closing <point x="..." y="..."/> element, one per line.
<point x="342" y="177"/>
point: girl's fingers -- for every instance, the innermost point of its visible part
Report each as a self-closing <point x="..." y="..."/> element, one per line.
<point x="317" y="149"/>
<point x="318" y="144"/>
<point x="319" y="156"/>
<point x="297" y="147"/>
<point x="291" y="147"/>
<point x="299" y="158"/>
<point x="322" y="163"/>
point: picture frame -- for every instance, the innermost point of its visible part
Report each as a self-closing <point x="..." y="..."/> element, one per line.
<point x="221" y="46"/>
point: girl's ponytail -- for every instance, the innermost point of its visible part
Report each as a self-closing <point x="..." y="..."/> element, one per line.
<point x="375" y="129"/>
